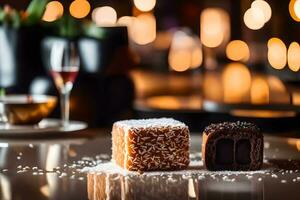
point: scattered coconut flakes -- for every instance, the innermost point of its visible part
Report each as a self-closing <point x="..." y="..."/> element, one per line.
<point x="111" y="167"/>
<point x="259" y="179"/>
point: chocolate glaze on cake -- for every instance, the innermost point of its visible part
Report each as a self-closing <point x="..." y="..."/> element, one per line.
<point x="232" y="146"/>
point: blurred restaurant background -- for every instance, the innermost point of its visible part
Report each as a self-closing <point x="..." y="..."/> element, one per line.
<point x="197" y="61"/>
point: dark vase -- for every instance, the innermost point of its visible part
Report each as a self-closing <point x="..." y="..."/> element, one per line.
<point x="103" y="91"/>
<point x="20" y="57"/>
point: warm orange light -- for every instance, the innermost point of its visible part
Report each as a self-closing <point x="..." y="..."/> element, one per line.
<point x="80" y="8"/>
<point x="263" y="113"/>
<point x="214" y="27"/>
<point x="278" y="91"/>
<point x="164" y="102"/>
<point x="277" y="53"/>
<point x="276" y="84"/>
<point x="236" y="80"/>
<point x="295" y="10"/>
<point x="129" y="22"/>
<point x="298" y="145"/>
<point x="125" y="21"/>
<point x="54" y="10"/>
<point x="296" y="98"/>
<point x="238" y="50"/>
<point x="144" y="5"/>
<point x="144" y="29"/>
<point x="185" y="52"/>
<point x="260" y="92"/>
<point x="264" y="7"/>
<point x="197" y="57"/>
<point x="174" y="102"/>
<point x="104" y="16"/>
<point x="293" y="56"/>
<point x="212" y="86"/>
<point x="254" y="18"/>
<point x="180" y="60"/>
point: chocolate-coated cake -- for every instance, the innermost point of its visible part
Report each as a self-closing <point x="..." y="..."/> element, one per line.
<point x="232" y="146"/>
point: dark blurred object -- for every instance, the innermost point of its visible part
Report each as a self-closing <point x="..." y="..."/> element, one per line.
<point x="103" y="92"/>
<point x="20" y="57"/>
<point x="108" y="54"/>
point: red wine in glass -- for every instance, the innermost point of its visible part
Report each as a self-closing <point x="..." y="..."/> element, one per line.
<point x="64" y="69"/>
<point x="64" y="76"/>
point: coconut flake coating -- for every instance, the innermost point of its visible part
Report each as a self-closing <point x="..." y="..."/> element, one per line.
<point x="151" y="144"/>
<point x="233" y="127"/>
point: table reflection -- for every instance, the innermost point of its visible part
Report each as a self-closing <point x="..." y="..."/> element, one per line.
<point x="119" y="186"/>
<point x="34" y="168"/>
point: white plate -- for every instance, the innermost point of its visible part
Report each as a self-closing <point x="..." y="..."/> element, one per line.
<point x="45" y="126"/>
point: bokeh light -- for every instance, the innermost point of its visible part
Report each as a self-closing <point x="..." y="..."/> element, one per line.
<point x="197" y="57"/>
<point x="214" y="27"/>
<point x="254" y="18"/>
<point x="144" y="29"/>
<point x="180" y="60"/>
<point x="125" y="21"/>
<point x="264" y="7"/>
<point x="294" y="9"/>
<point x="278" y="91"/>
<point x="297" y="8"/>
<point x="144" y="5"/>
<point x="276" y="85"/>
<point x="185" y="52"/>
<point x="104" y="16"/>
<point x="277" y="53"/>
<point x="54" y="10"/>
<point x="180" y="51"/>
<point x="293" y="56"/>
<point x="80" y="8"/>
<point x="212" y="86"/>
<point x="260" y="91"/>
<point x="236" y="79"/>
<point x="238" y="50"/>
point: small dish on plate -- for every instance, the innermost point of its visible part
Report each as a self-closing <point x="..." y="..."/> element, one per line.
<point x="27" y="109"/>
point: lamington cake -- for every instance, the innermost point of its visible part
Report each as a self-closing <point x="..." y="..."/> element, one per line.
<point x="232" y="146"/>
<point x="150" y="144"/>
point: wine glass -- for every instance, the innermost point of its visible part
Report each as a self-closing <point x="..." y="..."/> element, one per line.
<point x="64" y="62"/>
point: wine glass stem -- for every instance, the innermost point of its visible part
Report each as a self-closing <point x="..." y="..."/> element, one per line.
<point x="3" y="116"/>
<point x="65" y="108"/>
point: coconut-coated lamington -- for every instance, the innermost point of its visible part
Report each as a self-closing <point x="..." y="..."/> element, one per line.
<point x="151" y="144"/>
<point x="232" y="146"/>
